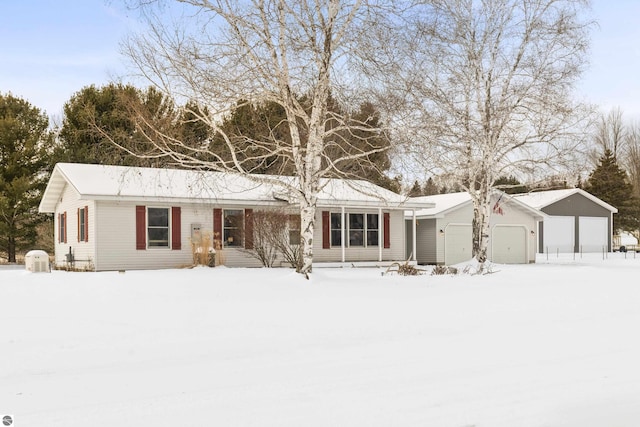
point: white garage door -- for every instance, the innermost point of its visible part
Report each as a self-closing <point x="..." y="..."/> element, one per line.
<point x="593" y="233"/>
<point x="558" y="234"/>
<point x="509" y="245"/>
<point x="457" y="243"/>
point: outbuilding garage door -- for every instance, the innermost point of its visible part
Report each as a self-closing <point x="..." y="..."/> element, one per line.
<point x="558" y="234"/>
<point x="509" y="245"/>
<point x="457" y="243"/>
<point x="593" y="233"/>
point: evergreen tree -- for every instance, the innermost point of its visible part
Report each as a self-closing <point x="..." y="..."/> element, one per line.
<point x="510" y="185"/>
<point x="610" y="183"/>
<point x="24" y="140"/>
<point x="430" y="188"/>
<point x="267" y="122"/>
<point x="415" y="190"/>
<point x="113" y="109"/>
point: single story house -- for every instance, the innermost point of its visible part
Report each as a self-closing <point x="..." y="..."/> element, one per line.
<point x="117" y="217"/>
<point x="444" y="232"/>
<point x="577" y="221"/>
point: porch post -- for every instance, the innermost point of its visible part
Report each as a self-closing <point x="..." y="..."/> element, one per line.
<point x="414" y="257"/>
<point x="380" y="233"/>
<point x="342" y="240"/>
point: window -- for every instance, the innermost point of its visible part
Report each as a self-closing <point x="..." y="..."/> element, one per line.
<point x="82" y="225"/>
<point x="232" y="227"/>
<point x="158" y="227"/>
<point x="294" y="229"/>
<point x="62" y="227"/>
<point x="372" y="229"/>
<point x="356" y="229"/>
<point x="336" y="229"/>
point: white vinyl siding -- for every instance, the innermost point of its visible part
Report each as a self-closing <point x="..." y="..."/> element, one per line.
<point x="117" y="239"/>
<point x="426" y="235"/>
<point x="112" y="238"/>
<point x="83" y="252"/>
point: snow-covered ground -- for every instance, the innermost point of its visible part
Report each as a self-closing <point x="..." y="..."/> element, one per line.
<point x="552" y="344"/>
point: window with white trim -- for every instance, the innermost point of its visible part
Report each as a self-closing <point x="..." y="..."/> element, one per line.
<point x="82" y="225"/>
<point x="233" y="224"/>
<point x="158" y="227"/>
<point x="373" y="229"/>
<point x="336" y="229"/>
<point x="294" y="229"/>
<point x="356" y="229"/>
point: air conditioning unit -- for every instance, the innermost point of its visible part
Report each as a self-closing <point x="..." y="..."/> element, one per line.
<point x="37" y="261"/>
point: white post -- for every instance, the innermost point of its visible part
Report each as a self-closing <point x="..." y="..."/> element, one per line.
<point x="380" y="232"/>
<point x="415" y="223"/>
<point x="342" y="240"/>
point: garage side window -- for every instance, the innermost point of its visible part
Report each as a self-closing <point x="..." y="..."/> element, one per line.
<point x="158" y="227"/>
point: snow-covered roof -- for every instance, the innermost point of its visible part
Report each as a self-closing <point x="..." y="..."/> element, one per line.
<point x="103" y="182"/>
<point x="445" y="203"/>
<point x="541" y="199"/>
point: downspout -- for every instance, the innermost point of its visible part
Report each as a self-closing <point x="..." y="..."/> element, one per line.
<point x="380" y="222"/>
<point x="342" y="230"/>
<point x="415" y="223"/>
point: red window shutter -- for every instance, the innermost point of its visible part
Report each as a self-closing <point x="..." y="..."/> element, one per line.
<point x="141" y="228"/>
<point x="176" y="232"/>
<point x="78" y="215"/>
<point x="248" y="228"/>
<point x="387" y="234"/>
<point x="64" y="218"/>
<point x="217" y="225"/>
<point x="326" y="230"/>
<point x="86" y="223"/>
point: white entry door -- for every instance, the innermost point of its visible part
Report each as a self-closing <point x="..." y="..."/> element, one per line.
<point x="509" y="244"/>
<point x="593" y="233"/>
<point x="457" y="243"/>
<point x="558" y="234"/>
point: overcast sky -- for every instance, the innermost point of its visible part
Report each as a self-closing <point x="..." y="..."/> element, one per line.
<point x="51" y="49"/>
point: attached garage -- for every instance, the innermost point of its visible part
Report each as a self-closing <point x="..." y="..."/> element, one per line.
<point x="444" y="233"/>
<point x="509" y="244"/>
<point x="577" y="221"/>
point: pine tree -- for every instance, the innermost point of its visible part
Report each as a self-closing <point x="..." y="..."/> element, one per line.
<point x="510" y="185"/>
<point x="430" y="188"/>
<point x="24" y="138"/>
<point x="610" y="183"/>
<point x="415" y="190"/>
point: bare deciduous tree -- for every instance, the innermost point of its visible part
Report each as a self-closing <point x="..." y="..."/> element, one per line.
<point x="610" y="135"/>
<point x="489" y="94"/>
<point x="295" y="53"/>
<point x="631" y="156"/>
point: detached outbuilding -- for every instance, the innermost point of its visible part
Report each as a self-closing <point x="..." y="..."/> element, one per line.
<point x="577" y="221"/>
<point x="116" y="217"/>
<point x="444" y="232"/>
